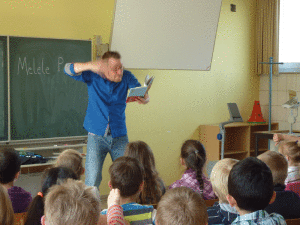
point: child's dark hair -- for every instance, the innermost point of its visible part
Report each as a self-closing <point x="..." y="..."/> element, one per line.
<point x="250" y="183"/>
<point x="51" y="177"/>
<point x="153" y="185"/>
<point x="194" y="156"/>
<point x="10" y="164"/>
<point x="126" y="174"/>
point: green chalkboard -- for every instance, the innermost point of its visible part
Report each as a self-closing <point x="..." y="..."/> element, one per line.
<point x="46" y="103"/>
<point x="3" y="88"/>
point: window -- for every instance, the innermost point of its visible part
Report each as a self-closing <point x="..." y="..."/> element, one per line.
<point x="289" y="44"/>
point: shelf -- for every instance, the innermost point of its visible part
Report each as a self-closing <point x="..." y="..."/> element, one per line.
<point x="235" y="152"/>
<point x="50" y="147"/>
<point x="239" y="140"/>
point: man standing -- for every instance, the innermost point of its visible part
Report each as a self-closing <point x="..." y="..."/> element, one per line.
<point x="107" y="84"/>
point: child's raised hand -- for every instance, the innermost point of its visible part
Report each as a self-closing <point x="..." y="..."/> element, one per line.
<point x="113" y="198"/>
<point x="277" y="138"/>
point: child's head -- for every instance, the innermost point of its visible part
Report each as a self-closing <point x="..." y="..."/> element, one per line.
<point x="72" y="159"/>
<point x="181" y="206"/>
<point x="51" y="177"/>
<point x="219" y="178"/>
<point x="250" y="185"/>
<point x="291" y="150"/>
<point x="10" y="165"/>
<point x="277" y="164"/>
<point x="127" y="175"/>
<point x="143" y="153"/>
<point x="194" y="157"/>
<point x="6" y="209"/>
<point x="71" y="203"/>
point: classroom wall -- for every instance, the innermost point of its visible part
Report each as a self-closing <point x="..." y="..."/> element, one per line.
<point x="281" y="84"/>
<point x="180" y="100"/>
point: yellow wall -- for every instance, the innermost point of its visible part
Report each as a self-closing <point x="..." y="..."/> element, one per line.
<point x="180" y="100"/>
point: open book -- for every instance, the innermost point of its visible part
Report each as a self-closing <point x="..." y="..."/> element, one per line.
<point x="134" y="93"/>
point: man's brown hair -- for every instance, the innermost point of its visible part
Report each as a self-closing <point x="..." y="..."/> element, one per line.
<point x="181" y="206"/>
<point x="126" y="174"/>
<point x="277" y="164"/>
<point x="71" y="203"/>
<point x="111" y="54"/>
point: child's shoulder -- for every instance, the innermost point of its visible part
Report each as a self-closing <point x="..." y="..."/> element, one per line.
<point x="18" y="191"/>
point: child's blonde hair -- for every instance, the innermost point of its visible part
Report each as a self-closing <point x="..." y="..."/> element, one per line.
<point x="290" y="149"/>
<point x="277" y="164"/>
<point x="72" y="159"/>
<point x="181" y="206"/>
<point x="219" y="178"/>
<point x="6" y="209"/>
<point x="71" y="203"/>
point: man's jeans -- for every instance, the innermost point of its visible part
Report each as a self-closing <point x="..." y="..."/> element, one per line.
<point x="97" y="149"/>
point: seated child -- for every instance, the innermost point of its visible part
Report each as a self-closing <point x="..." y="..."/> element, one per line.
<point x="10" y="166"/>
<point x="72" y="159"/>
<point x="222" y="212"/>
<point x="291" y="151"/>
<point x="51" y="177"/>
<point x="287" y="203"/>
<point x="127" y="175"/>
<point x="193" y="158"/>
<point x="250" y="188"/>
<point x="6" y="210"/>
<point x="181" y="205"/>
<point x="71" y="203"/>
<point x="154" y="186"/>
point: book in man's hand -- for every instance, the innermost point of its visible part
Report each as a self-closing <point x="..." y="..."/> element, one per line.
<point x="134" y="93"/>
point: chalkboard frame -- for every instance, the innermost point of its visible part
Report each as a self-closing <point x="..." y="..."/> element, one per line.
<point x="3" y="41"/>
<point x="8" y="138"/>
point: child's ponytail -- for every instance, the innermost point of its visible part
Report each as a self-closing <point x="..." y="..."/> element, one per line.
<point x="194" y="156"/>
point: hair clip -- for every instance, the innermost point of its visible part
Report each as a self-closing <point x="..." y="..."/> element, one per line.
<point x="296" y="141"/>
<point x="40" y="194"/>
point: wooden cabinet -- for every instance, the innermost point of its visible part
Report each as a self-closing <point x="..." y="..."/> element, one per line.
<point x="239" y="140"/>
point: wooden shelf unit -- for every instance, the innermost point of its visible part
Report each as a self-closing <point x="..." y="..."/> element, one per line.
<point x="239" y="140"/>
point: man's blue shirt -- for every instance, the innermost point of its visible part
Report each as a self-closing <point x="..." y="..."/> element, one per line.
<point x="107" y="101"/>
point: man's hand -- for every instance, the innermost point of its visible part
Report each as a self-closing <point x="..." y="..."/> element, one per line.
<point x="144" y="100"/>
<point x="97" y="66"/>
<point x="113" y="198"/>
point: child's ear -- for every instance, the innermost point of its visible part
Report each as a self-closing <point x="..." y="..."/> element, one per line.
<point x="43" y="220"/>
<point x="141" y="186"/>
<point x="82" y="172"/>
<point x="273" y="197"/>
<point x="17" y="175"/>
<point x="109" y="185"/>
<point x="231" y="200"/>
<point x="182" y="161"/>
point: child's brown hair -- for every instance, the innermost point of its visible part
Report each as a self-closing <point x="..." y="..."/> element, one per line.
<point x="277" y="164"/>
<point x="290" y="149"/>
<point x="153" y="185"/>
<point x="6" y="209"/>
<point x="72" y="159"/>
<point x="127" y="175"/>
<point x="194" y="156"/>
<point x="181" y="206"/>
